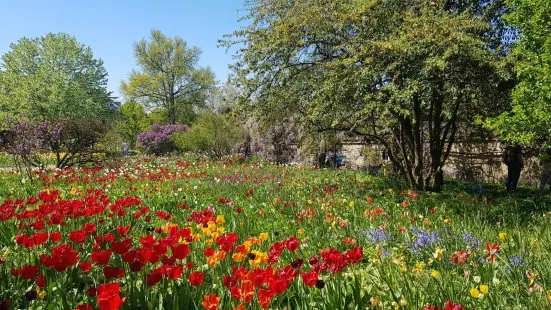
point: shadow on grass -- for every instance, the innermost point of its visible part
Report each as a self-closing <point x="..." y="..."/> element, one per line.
<point x="500" y="206"/>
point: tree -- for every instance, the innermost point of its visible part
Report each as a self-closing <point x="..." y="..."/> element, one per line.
<point x="409" y="75"/>
<point x="169" y="75"/>
<point x="529" y="120"/>
<point x="78" y="140"/>
<point x="134" y="121"/>
<point x="52" y="77"/>
<point x="213" y="134"/>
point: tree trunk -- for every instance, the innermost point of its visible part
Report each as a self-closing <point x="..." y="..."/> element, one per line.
<point x="171" y="110"/>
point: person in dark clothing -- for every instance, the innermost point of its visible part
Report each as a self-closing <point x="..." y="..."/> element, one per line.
<point x="545" y="170"/>
<point x="512" y="157"/>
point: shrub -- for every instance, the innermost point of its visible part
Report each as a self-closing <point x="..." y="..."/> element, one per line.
<point x="213" y="135"/>
<point x="157" y="139"/>
<point x="26" y="139"/>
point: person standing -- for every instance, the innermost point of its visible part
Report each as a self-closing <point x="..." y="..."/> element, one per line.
<point x="124" y="148"/>
<point x="545" y="170"/>
<point x="512" y="157"/>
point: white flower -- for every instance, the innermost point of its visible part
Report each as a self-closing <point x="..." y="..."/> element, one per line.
<point x="496" y="281"/>
<point x="476" y="279"/>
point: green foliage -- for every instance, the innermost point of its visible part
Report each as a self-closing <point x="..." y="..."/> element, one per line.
<point x="405" y="75"/>
<point x="52" y="77"/>
<point x="213" y="135"/>
<point x="169" y="75"/>
<point x="529" y="120"/>
<point x="134" y="121"/>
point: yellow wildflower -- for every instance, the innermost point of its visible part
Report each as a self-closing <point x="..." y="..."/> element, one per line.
<point x="351" y="203"/>
<point x="502" y="235"/>
<point x="300" y="231"/>
<point x="435" y="274"/>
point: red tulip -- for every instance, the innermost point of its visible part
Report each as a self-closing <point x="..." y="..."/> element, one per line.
<point x="113" y="272"/>
<point x="84" y="307"/>
<point x="109" y="296"/>
<point x="123" y="230"/>
<point x="180" y="251"/>
<point x="196" y="278"/>
<point x="121" y="247"/>
<point x="40" y="238"/>
<point x="78" y="236"/>
<point x="174" y="272"/>
<point x="29" y="272"/>
<point x="310" y="278"/>
<point x="55" y="237"/>
<point x="101" y="257"/>
<point x="85" y="266"/>
<point x="155" y="276"/>
<point x="41" y="281"/>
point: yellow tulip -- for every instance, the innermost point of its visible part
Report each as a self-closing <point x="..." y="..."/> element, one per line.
<point x="438" y="254"/>
<point x="484" y="289"/>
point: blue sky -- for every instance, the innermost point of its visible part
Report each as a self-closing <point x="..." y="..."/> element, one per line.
<point x="111" y="27"/>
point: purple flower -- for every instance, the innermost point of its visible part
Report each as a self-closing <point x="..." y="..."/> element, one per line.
<point x="471" y="241"/>
<point x="516" y="261"/>
<point x="376" y="236"/>
<point x="157" y="139"/>
<point x="423" y="239"/>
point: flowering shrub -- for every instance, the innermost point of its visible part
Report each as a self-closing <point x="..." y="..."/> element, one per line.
<point x="26" y="139"/>
<point x="157" y="139"/>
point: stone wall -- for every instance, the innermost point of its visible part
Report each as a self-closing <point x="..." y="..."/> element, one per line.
<point x="470" y="161"/>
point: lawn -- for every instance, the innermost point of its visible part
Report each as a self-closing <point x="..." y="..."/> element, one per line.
<point x="189" y="234"/>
